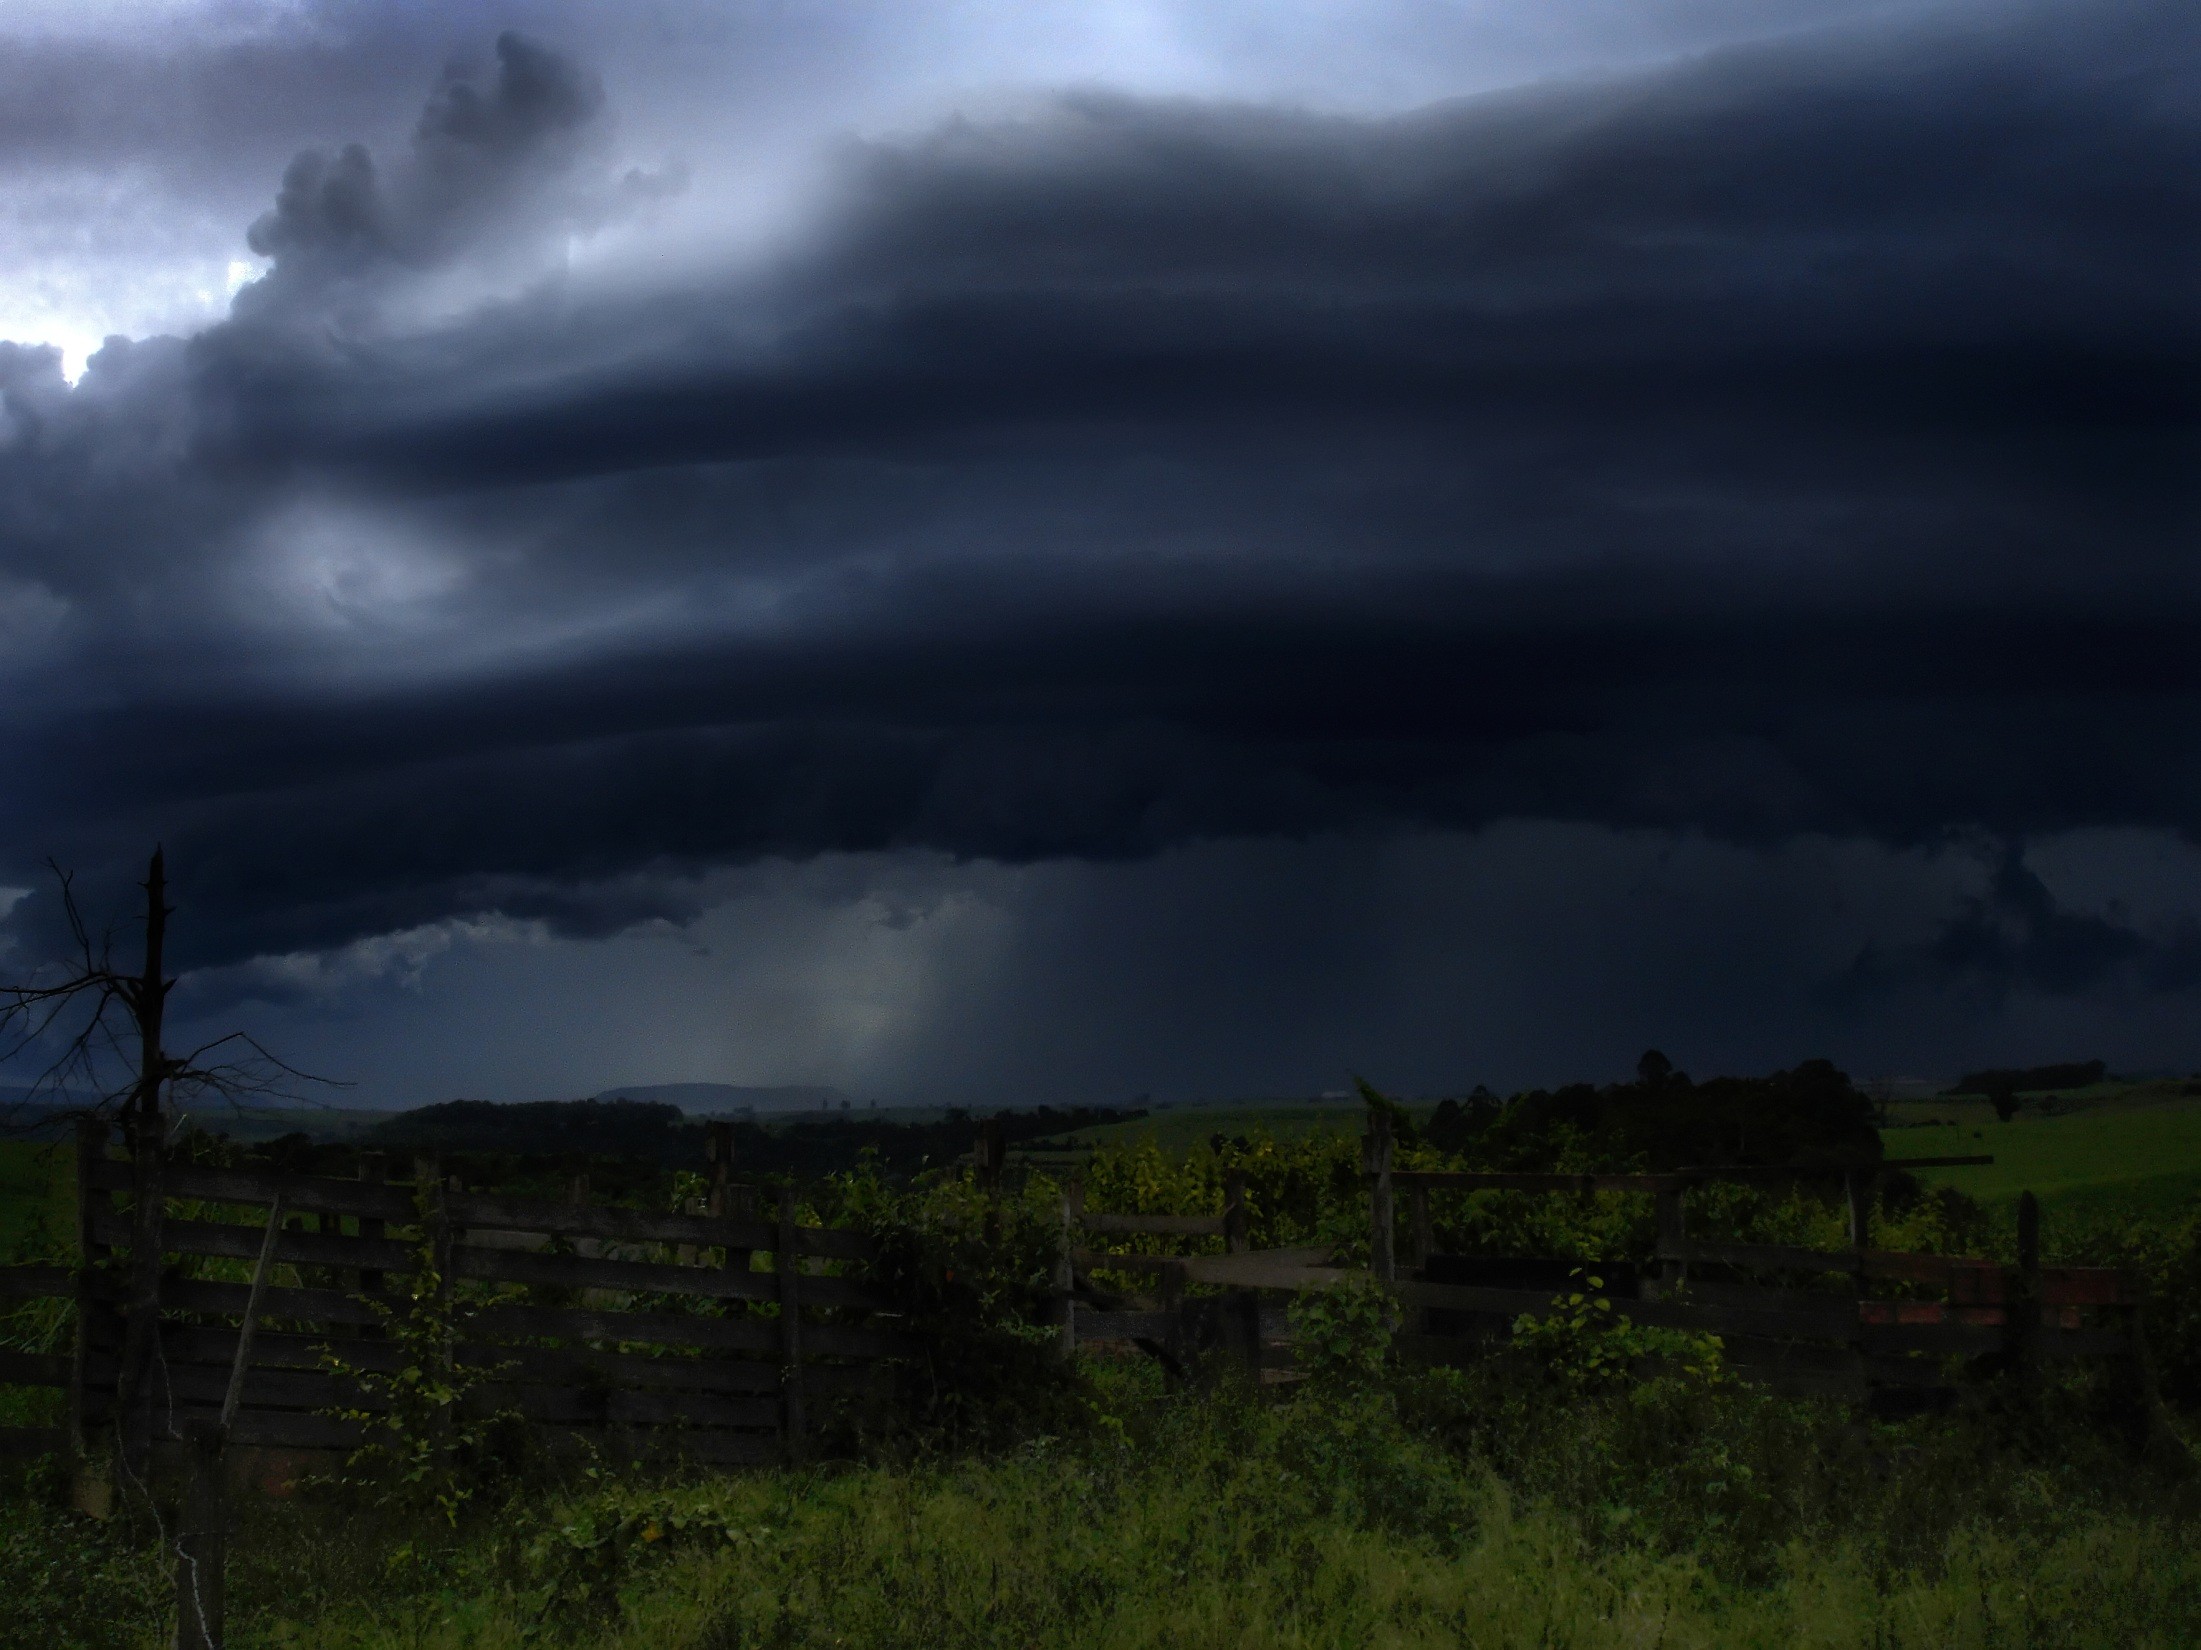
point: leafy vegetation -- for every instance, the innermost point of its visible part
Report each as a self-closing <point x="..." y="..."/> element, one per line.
<point x="1594" y="1483"/>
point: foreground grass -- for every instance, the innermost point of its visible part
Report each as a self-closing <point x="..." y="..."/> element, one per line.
<point x="1448" y="1516"/>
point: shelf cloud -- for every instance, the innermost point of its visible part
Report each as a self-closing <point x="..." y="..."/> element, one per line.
<point x="1789" y="441"/>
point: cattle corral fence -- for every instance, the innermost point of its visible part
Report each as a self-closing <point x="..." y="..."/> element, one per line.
<point x="713" y="1333"/>
<point x="640" y="1333"/>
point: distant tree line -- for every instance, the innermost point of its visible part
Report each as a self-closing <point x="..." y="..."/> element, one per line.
<point x="651" y="1132"/>
<point x="1663" y="1120"/>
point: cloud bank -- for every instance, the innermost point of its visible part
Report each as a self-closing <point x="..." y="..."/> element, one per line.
<point x="1793" y="441"/>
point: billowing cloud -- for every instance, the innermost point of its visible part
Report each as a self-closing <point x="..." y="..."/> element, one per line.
<point x="1789" y="441"/>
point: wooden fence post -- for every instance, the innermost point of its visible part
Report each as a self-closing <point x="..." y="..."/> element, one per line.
<point x="2022" y="1307"/>
<point x="728" y="1201"/>
<point x="1234" y="1212"/>
<point x="1376" y="1150"/>
<point x="790" y="1301"/>
<point x="993" y="1152"/>
<point x="1066" y="1278"/>
<point x="202" y="1543"/>
<point x="374" y="1169"/>
<point x="92" y="1493"/>
<point x="1858" y="1185"/>
<point x="141" y="1322"/>
<point x="1672" y="1217"/>
<point x="428" y="1191"/>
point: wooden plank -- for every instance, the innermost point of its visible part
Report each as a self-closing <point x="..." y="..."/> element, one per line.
<point x="28" y="1443"/>
<point x="1836" y="1313"/>
<point x="1759" y="1352"/>
<point x="2064" y="1344"/>
<point x="1125" y="1326"/>
<point x="203" y="1237"/>
<point x="484" y="1210"/>
<point x="1804" y="1383"/>
<point x="570" y="1366"/>
<point x="643" y="1277"/>
<point x="1101" y="1260"/>
<point x="1761" y="1257"/>
<point x="1717" y="1320"/>
<point x="31" y="1283"/>
<point x="269" y="1389"/>
<point x="276" y="1349"/>
<point x="1155" y="1225"/>
<point x="1292" y="1269"/>
<point x="286" y="1429"/>
<point x="35" y="1368"/>
<point x="282" y="1305"/>
<point x="276" y="1389"/>
<point x="313" y="1194"/>
<point x="2085" y="1286"/>
<point x="825" y="1340"/>
<point x="1939" y="1339"/>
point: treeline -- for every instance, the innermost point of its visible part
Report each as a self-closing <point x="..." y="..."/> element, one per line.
<point x="2073" y="1074"/>
<point x="1663" y="1120"/>
<point x="634" y="1139"/>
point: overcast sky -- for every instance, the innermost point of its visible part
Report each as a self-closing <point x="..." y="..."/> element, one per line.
<point x="1063" y="552"/>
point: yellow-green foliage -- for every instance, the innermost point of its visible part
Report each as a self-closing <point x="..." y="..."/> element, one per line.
<point x="1231" y="1524"/>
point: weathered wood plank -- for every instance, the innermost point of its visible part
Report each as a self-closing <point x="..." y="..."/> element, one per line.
<point x="1837" y="1314"/>
<point x="1716" y="1320"/>
<point x="1939" y="1339"/>
<point x="30" y="1283"/>
<point x="2085" y="1286"/>
<point x="1762" y="1257"/>
<point x="644" y="1277"/>
<point x="1125" y="1326"/>
<point x="312" y="1194"/>
<point x="827" y="1340"/>
<point x="313" y="1306"/>
<point x="268" y="1388"/>
<point x="35" y="1368"/>
<point x="1154" y="1225"/>
<point x="488" y="1211"/>
<point x="570" y="1366"/>
<point x="28" y="1443"/>
<point x="1292" y="1269"/>
<point x="224" y="1241"/>
<point x="276" y="1349"/>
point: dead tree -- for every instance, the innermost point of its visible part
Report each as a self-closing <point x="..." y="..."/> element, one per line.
<point x="99" y="1026"/>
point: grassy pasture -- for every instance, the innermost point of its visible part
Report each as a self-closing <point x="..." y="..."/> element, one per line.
<point x="2146" y="1157"/>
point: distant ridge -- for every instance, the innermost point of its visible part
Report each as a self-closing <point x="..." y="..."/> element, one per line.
<point x="708" y="1099"/>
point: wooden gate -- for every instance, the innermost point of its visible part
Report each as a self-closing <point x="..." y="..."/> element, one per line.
<point x="709" y="1335"/>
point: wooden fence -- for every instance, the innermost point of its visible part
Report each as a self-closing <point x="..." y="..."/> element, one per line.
<point x="709" y="1335"/>
<point x="1804" y="1321"/>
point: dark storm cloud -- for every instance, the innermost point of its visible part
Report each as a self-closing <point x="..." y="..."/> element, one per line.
<point x="1797" y="440"/>
<point x="2015" y="937"/>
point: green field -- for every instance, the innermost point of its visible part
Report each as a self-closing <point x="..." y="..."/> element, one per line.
<point x="2144" y="1156"/>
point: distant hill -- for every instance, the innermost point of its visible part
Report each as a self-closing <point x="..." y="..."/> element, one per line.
<point x="728" y="1099"/>
<point x="2074" y="1074"/>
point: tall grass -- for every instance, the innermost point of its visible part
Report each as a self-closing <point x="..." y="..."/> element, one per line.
<point x="1441" y="1512"/>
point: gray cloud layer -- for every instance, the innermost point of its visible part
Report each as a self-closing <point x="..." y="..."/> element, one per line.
<point x="1796" y="440"/>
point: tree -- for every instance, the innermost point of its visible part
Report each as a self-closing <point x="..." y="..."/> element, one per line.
<point x="100" y="1027"/>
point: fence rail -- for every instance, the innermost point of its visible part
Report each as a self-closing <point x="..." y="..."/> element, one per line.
<point x="700" y="1334"/>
